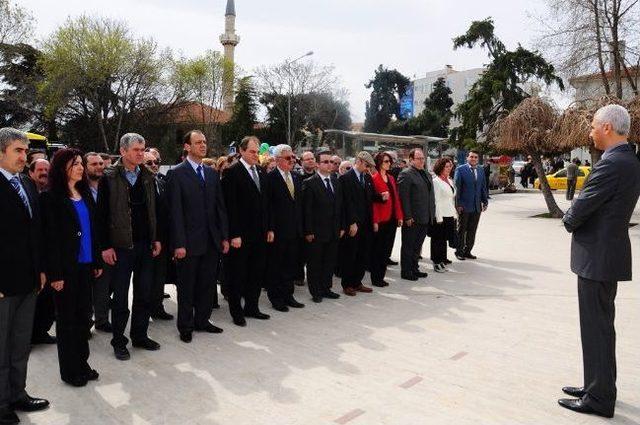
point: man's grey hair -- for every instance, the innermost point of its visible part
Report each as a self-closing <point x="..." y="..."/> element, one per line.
<point x="280" y="149"/>
<point x="9" y="135"/>
<point x="615" y="115"/>
<point x="130" y="138"/>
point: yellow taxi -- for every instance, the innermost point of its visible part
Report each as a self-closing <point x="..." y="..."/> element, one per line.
<point x="558" y="180"/>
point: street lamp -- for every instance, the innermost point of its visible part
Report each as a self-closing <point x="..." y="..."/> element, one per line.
<point x="288" y="68"/>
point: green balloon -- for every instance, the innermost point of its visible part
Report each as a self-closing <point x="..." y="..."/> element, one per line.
<point x="264" y="148"/>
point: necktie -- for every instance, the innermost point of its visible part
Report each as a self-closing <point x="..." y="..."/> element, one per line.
<point x="474" y="171"/>
<point x="16" y="185"/>
<point x="254" y="176"/>
<point x="200" y="173"/>
<point x="287" y="180"/>
<point x="361" y="179"/>
<point x="328" y="187"/>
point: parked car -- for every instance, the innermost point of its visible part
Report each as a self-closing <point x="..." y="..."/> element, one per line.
<point x="558" y="180"/>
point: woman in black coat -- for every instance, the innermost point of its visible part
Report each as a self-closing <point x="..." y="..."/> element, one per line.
<point x="72" y="261"/>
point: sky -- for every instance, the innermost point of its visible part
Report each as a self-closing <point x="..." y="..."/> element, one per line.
<point x="355" y="36"/>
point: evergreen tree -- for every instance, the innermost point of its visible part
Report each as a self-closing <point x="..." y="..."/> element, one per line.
<point x="388" y="88"/>
<point x="244" y="111"/>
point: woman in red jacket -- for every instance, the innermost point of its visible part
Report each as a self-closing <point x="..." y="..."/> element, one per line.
<point x="387" y="217"/>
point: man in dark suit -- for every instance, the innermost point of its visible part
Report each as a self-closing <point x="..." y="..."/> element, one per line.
<point x="198" y="235"/>
<point x="245" y="192"/>
<point x="323" y="227"/>
<point x="601" y="256"/>
<point x="472" y="199"/>
<point x="22" y="277"/>
<point x="357" y="188"/>
<point x="419" y="207"/>
<point x="285" y="202"/>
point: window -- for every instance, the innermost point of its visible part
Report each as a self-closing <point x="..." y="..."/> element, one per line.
<point x="561" y="173"/>
<point x="580" y="173"/>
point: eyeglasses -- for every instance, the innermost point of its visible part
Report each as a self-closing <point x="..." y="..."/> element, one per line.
<point x="336" y="162"/>
<point x="287" y="158"/>
<point x="386" y="161"/>
<point x="347" y="168"/>
<point x="152" y="163"/>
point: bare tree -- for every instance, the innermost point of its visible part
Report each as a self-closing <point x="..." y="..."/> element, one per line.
<point x="16" y="23"/>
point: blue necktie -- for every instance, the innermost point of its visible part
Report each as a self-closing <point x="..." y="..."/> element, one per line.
<point x="15" y="182"/>
<point x="328" y="187"/>
<point x="362" y="180"/>
<point x="200" y="174"/>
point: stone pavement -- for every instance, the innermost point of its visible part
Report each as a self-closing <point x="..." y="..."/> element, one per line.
<point x="490" y="342"/>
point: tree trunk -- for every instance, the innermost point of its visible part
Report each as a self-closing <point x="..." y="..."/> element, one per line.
<point x="603" y="72"/>
<point x="552" y="205"/>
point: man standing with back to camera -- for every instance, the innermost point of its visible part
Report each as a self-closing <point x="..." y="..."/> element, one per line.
<point x="601" y="256"/>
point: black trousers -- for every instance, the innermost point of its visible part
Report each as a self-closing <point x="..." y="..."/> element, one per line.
<point x="101" y="295"/>
<point x="381" y="249"/>
<point x="139" y="262"/>
<point x="412" y="240"/>
<point x="16" y="324"/>
<point x="73" y="324"/>
<point x="282" y="270"/>
<point x="439" y="237"/>
<point x="244" y="277"/>
<point x="196" y="285"/>
<point x="467" y="227"/>
<point x="160" y="268"/>
<point x="597" y="315"/>
<point x="571" y="188"/>
<point x="355" y="256"/>
<point x="44" y="315"/>
<point x="320" y="265"/>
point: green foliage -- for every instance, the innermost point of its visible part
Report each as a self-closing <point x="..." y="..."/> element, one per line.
<point x="244" y="111"/>
<point x="388" y="87"/>
<point x="501" y="87"/>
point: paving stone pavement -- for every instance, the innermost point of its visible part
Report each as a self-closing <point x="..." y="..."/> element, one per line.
<point x="490" y="342"/>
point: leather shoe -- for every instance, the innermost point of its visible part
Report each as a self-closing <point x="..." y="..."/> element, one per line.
<point x="211" y="328"/>
<point x="294" y="304"/>
<point x="574" y="391"/>
<point x="43" y="339"/>
<point x="165" y="295"/>
<point x="8" y="417"/>
<point x="162" y="315"/>
<point x="349" y="291"/>
<point x="364" y="289"/>
<point x="258" y="315"/>
<point x="447" y="262"/>
<point x="30" y="404"/>
<point x="317" y="299"/>
<point x="239" y="321"/>
<point x="216" y="305"/>
<point x="578" y="405"/>
<point x="104" y="327"/>
<point x="331" y="294"/>
<point x="92" y="375"/>
<point x="381" y="284"/>
<point x="390" y="262"/>
<point x="460" y="257"/>
<point x="146" y="344"/>
<point x="121" y="353"/>
<point x="422" y="274"/>
<point x="412" y="277"/>
<point x="470" y="256"/>
<point x="76" y="381"/>
<point x="186" y="337"/>
<point x="282" y="308"/>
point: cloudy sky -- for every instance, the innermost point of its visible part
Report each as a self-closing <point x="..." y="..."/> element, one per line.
<point x="355" y="36"/>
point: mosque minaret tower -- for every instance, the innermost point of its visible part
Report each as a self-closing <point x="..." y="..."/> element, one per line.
<point x="229" y="40"/>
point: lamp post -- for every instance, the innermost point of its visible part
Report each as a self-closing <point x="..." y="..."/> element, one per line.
<point x="309" y="53"/>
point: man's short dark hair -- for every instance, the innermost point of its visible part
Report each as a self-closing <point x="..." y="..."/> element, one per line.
<point x="473" y="151"/>
<point x="412" y="152"/>
<point x="323" y="152"/>
<point x="187" y="137"/>
<point x="105" y="156"/>
<point x="244" y="143"/>
<point x="34" y="152"/>
<point x="88" y="154"/>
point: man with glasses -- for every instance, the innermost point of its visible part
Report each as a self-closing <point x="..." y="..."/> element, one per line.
<point x="344" y="167"/>
<point x="285" y="202"/>
<point x="418" y="204"/>
<point x="335" y="161"/>
<point x="359" y="196"/>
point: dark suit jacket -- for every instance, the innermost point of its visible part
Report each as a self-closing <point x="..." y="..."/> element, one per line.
<point x="21" y="241"/>
<point x="62" y="233"/>
<point x="247" y="207"/>
<point x="323" y="214"/>
<point x="599" y="218"/>
<point x="197" y="212"/>
<point x="471" y="193"/>
<point x="286" y="212"/>
<point x="358" y="200"/>
<point x="416" y="196"/>
<point x="162" y="211"/>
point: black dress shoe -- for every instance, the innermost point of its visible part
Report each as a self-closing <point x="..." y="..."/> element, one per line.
<point x="210" y="328"/>
<point x="92" y="375"/>
<point x="121" y="353"/>
<point x="317" y="299"/>
<point x="104" y="327"/>
<point x="577" y="405"/>
<point x="294" y="304"/>
<point x="43" y="339"/>
<point x="162" y="315"/>
<point x="390" y="262"/>
<point x="408" y="276"/>
<point x="381" y="284"/>
<point x="421" y="274"/>
<point x="216" y="305"/>
<point x="460" y="257"/>
<point x="146" y="344"/>
<point x="574" y="391"/>
<point x="30" y="404"/>
<point x="448" y="262"/>
<point x="186" y="337"/>
<point x="76" y="381"/>
<point x="282" y="308"/>
<point x="8" y="417"/>
<point x="332" y="295"/>
<point x="470" y="256"/>
<point x="239" y="321"/>
<point x="258" y="315"/>
<point x="165" y="295"/>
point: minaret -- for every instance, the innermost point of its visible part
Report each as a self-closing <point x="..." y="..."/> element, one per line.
<point x="229" y="40"/>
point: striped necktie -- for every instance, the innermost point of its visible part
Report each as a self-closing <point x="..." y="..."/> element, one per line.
<point x="15" y="182"/>
<point x="289" y="183"/>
